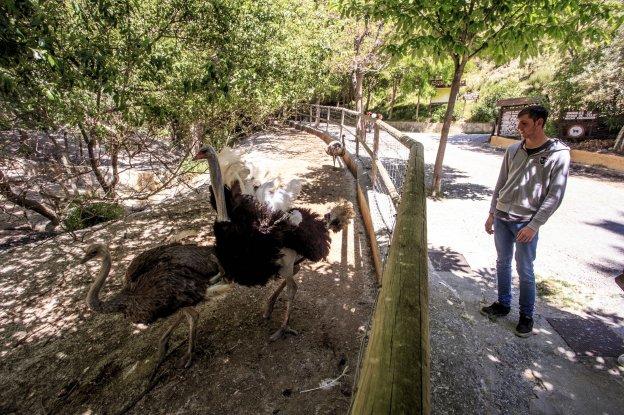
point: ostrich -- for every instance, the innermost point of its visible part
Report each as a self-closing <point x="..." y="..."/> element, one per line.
<point x="335" y="149"/>
<point x="161" y="282"/>
<point x="255" y="244"/>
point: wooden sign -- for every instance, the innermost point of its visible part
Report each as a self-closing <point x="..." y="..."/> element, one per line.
<point x="577" y="125"/>
<point x="507" y="123"/>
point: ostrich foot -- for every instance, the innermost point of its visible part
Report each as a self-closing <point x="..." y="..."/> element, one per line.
<point x="268" y="311"/>
<point x="161" y="358"/>
<point x="186" y="361"/>
<point x="282" y="332"/>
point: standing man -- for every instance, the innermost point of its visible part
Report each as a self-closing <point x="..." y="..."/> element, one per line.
<point x="529" y="189"/>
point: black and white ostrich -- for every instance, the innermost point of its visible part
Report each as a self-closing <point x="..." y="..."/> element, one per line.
<point x="255" y="243"/>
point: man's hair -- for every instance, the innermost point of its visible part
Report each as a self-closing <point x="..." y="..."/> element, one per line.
<point x="535" y="112"/>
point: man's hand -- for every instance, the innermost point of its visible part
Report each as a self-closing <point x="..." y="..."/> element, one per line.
<point x="525" y="235"/>
<point x="488" y="224"/>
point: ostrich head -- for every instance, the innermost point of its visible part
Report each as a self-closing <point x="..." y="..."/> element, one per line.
<point x="339" y="217"/>
<point x="94" y="251"/>
<point x="208" y="152"/>
<point x="202" y="153"/>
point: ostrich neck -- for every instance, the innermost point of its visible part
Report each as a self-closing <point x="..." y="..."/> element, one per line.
<point x="217" y="185"/>
<point x="93" y="297"/>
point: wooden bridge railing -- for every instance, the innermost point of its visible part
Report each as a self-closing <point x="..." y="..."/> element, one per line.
<point x="394" y="375"/>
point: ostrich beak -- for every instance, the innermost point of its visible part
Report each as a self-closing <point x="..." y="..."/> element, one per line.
<point x="201" y="154"/>
<point x="87" y="257"/>
<point x="217" y="183"/>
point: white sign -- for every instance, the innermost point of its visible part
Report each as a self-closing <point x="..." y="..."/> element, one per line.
<point x="576" y="131"/>
<point x="509" y="124"/>
<point x="580" y="115"/>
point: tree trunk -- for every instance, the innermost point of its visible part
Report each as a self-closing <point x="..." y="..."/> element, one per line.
<point x="460" y="64"/>
<point x="418" y="105"/>
<point x="619" y="142"/>
<point x="21" y="200"/>
<point x="368" y="95"/>
<point x="395" y="81"/>
<point x="90" y="142"/>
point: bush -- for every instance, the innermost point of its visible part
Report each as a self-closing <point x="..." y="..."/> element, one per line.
<point x="485" y="109"/>
<point x="407" y="112"/>
<point x="81" y="217"/>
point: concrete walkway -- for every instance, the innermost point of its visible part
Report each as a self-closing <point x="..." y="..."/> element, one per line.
<point x="581" y="247"/>
<point x="482" y="367"/>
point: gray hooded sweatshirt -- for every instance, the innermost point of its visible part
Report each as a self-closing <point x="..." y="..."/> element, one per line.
<point x="531" y="187"/>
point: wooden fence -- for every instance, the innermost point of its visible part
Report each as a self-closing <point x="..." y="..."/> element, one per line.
<point x="394" y="375"/>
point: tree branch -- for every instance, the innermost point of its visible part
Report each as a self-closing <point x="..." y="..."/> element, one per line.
<point x="21" y="200"/>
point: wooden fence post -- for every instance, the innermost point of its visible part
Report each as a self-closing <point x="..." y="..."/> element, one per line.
<point x="375" y="151"/>
<point x="310" y="114"/>
<point x="358" y="134"/>
<point x="328" y="113"/>
<point x="318" y="116"/>
<point x="394" y="377"/>
<point x="341" y="125"/>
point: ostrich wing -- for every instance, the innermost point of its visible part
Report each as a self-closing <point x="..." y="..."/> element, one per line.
<point x="199" y="259"/>
<point x="163" y="290"/>
<point x="310" y="238"/>
<point x="248" y="247"/>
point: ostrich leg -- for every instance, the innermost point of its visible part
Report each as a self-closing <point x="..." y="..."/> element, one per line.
<point x="271" y="303"/>
<point x="192" y="315"/>
<point x="287" y="272"/>
<point x="164" y="344"/>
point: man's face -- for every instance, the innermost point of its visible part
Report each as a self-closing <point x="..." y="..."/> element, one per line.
<point x="527" y="127"/>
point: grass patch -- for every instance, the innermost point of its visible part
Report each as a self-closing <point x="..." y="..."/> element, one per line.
<point x="558" y="292"/>
<point x="194" y="166"/>
<point x="85" y="216"/>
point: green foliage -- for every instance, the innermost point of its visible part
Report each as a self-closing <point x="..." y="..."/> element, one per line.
<point x="121" y="66"/>
<point x="592" y="79"/>
<point x="85" y="216"/>
<point x="194" y="166"/>
<point x="485" y="109"/>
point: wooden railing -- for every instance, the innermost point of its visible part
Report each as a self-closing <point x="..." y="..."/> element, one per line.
<point x="394" y="375"/>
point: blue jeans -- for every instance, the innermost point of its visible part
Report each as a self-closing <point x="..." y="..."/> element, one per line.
<point x="505" y="239"/>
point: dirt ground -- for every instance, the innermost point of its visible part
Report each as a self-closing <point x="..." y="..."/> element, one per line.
<point x="598" y="145"/>
<point x="57" y="357"/>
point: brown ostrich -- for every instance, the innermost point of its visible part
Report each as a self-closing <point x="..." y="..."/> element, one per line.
<point x="163" y="281"/>
<point x="335" y="149"/>
<point x="255" y="244"/>
<point x="160" y="282"/>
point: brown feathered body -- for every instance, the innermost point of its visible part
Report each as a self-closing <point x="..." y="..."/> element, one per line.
<point x="335" y="149"/>
<point x="162" y="280"/>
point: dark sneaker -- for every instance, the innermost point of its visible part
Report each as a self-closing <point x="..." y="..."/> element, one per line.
<point x="525" y="326"/>
<point x="495" y="310"/>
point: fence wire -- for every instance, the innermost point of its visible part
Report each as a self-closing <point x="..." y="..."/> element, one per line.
<point x="391" y="153"/>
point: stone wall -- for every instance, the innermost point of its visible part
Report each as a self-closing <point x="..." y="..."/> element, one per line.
<point x="436" y="127"/>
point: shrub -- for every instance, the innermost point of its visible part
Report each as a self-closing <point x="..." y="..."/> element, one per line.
<point x="485" y="109"/>
<point x="81" y="217"/>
